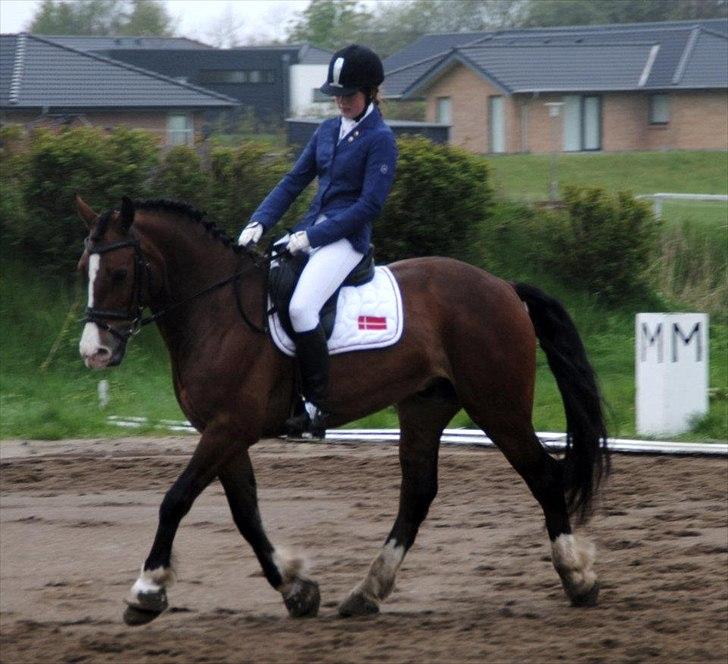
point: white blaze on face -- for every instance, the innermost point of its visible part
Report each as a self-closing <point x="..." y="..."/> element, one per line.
<point x="90" y="343"/>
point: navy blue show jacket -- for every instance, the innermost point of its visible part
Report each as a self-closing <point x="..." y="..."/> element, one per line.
<point x="355" y="176"/>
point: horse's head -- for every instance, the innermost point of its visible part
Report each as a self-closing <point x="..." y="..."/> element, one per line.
<point x="116" y="271"/>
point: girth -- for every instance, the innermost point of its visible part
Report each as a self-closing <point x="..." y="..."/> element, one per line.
<point x="283" y="276"/>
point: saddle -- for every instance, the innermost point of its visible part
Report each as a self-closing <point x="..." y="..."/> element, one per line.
<point x="283" y="276"/>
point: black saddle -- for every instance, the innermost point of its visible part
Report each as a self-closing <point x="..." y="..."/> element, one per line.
<point x="284" y="274"/>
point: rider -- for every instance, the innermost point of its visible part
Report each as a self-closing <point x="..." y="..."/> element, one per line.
<point x="354" y="157"/>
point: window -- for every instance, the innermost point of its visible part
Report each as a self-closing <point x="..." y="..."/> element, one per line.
<point x="659" y="109"/>
<point x="180" y="129"/>
<point x="496" y="125"/>
<point x="582" y="123"/>
<point x="236" y="76"/>
<point x="443" y="111"/>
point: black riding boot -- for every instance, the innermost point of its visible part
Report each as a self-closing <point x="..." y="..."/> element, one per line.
<point x="313" y="360"/>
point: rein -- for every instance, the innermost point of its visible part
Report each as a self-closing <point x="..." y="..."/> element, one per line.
<point x="141" y="271"/>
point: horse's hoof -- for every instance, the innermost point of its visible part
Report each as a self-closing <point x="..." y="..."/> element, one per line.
<point x="145" y="608"/>
<point x="358" y="604"/>
<point x="589" y="598"/>
<point x="303" y="600"/>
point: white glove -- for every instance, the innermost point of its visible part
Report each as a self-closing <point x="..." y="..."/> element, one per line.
<point x="251" y="234"/>
<point x="298" y="242"/>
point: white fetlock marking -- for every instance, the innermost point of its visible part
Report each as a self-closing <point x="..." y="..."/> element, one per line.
<point x="379" y="582"/>
<point x="292" y="569"/>
<point x="151" y="581"/>
<point x="573" y="558"/>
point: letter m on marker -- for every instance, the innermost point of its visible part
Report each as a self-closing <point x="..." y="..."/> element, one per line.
<point x="695" y="332"/>
<point x="648" y="340"/>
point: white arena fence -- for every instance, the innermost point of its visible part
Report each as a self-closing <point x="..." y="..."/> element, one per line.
<point x="467" y="437"/>
<point x="659" y="198"/>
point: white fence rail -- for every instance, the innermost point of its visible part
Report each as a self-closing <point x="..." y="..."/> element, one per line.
<point x="551" y="440"/>
<point x="659" y="198"/>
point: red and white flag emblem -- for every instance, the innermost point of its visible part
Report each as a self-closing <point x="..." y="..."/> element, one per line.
<point x="372" y="323"/>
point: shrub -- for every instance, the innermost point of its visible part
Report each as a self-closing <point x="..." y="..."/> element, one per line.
<point x="101" y="167"/>
<point x="181" y="176"/>
<point x="440" y="198"/>
<point x="241" y="178"/>
<point x="604" y="242"/>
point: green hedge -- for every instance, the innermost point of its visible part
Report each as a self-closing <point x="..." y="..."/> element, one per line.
<point x="603" y="242"/>
<point x="439" y="201"/>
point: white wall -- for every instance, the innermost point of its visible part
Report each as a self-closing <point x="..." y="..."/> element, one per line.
<point x="303" y="79"/>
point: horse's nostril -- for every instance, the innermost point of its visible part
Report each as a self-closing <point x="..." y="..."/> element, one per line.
<point x="103" y="352"/>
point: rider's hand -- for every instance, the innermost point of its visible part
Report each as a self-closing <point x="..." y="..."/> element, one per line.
<point x="251" y="234"/>
<point x="298" y="242"/>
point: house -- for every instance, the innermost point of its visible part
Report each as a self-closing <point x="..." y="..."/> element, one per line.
<point x="274" y="82"/>
<point x="647" y="86"/>
<point x="43" y="82"/>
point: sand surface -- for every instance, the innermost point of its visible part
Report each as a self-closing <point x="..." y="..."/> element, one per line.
<point x="77" y="519"/>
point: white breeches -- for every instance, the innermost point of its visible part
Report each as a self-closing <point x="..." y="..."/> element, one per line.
<point x="326" y="269"/>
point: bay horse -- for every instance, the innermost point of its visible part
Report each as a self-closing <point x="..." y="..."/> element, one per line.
<point x="469" y="341"/>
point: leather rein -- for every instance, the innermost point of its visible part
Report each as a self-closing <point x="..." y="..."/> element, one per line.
<point x="142" y="276"/>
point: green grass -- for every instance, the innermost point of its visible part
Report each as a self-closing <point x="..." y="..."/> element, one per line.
<point x="61" y="401"/>
<point x="526" y="177"/>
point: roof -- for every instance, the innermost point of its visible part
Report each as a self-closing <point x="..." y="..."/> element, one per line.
<point x="43" y="73"/>
<point x="103" y="43"/>
<point x="527" y="60"/>
<point x="171" y="62"/>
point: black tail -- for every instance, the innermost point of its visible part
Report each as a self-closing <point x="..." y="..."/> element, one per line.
<point x="587" y="459"/>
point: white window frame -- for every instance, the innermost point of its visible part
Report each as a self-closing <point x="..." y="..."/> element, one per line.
<point x="496" y="124"/>
<point x="443" y="110"/>
<point x="659" y="109"/>
<point x="176" y="136"/>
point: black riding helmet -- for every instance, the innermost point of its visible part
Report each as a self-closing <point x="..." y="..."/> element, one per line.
<point x="353" y="68"/>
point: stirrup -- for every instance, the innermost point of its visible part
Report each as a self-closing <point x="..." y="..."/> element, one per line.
<point x="305" y="426"/>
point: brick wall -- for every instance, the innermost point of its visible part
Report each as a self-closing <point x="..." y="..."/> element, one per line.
<point x="698" y="120"/>
<point x="469" y="94"/>
<point x="154" y="121"/>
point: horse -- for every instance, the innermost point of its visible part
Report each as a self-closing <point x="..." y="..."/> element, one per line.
<point x="469" y="342"/>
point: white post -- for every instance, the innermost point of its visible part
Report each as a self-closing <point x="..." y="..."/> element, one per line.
<point x="671" y="368"/>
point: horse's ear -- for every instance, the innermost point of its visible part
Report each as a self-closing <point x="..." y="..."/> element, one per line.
<point x="127" y="212"/>
<point x="87" y="215"/>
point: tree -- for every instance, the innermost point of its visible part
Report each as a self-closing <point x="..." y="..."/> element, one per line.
<point x="330" y="24"/>
<point x="148" y="17"/>
<point x="101" y="17"/>
<point x="544" y="13"/>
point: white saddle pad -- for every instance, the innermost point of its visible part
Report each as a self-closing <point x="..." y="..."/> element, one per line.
<point x="368" y="316"/>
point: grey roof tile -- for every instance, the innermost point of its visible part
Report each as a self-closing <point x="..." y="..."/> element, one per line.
<point x="705" y="65"/>
<point x="103" y="43"/>
<point x="609" y="57"/>
<point x="59" y="76"/>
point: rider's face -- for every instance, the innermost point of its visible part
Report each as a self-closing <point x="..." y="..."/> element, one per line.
<point x="351" y="105"/>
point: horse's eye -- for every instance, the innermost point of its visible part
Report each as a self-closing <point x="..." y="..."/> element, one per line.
<point x="118" y="276"/>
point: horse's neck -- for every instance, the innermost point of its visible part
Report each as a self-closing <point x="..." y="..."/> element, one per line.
<point x="191" y="261"/>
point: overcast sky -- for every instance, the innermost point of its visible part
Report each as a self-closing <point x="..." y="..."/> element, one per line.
<point x="251" y="20"/>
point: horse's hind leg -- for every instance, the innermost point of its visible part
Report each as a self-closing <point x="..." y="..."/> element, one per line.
<point x="422" y="420"/>
<point x="285" y="574"/>
<point x="572" y="557"/>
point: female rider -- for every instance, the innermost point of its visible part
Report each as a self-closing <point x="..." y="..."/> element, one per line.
<point x="354" y="158"/>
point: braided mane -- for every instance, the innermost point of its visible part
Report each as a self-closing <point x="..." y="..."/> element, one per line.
<point x="193" y="214"/>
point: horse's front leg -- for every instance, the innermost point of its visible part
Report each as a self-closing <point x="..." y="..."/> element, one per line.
<point x="284" y="573"/>
<point x="148" y="596"/>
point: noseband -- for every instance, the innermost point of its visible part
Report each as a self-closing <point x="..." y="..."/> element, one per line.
<point x="142" y="274"/>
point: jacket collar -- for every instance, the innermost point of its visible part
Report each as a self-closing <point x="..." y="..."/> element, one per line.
<point x="374" y="119"/>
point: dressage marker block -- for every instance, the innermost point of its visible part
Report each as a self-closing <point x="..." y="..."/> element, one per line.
<point x="671" y="367"/>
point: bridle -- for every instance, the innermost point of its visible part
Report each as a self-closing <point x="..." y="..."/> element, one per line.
<point x="143" y="277"/>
